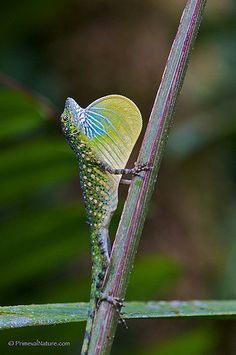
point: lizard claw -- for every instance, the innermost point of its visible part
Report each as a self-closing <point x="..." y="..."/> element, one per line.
<point x="117" y="303"/>
<point x="141" y="167"/>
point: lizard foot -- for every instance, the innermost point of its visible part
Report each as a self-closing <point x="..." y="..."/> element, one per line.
<point x="116" y="302"/>
<point x="140" y="167"/>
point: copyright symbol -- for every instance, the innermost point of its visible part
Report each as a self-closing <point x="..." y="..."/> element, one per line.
<point x="11" y="343"/>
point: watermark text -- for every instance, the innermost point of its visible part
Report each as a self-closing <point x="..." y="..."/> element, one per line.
<point x="37" y="343"/>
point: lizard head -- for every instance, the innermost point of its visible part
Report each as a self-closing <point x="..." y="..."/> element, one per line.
<point x="70" y="118"/>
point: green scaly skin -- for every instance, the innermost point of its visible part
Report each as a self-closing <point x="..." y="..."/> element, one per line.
<point x="96" y="192"/>
<point x="99" y="187"/>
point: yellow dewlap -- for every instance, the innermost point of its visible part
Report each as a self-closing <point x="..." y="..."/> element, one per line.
<point x="123" y="126"/>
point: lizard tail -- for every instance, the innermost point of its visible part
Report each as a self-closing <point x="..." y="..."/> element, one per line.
<point x="88" y="329"/>
<point x="100" y="249"/>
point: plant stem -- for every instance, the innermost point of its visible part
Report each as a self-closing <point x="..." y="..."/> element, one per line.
<point x="140" y="192"/>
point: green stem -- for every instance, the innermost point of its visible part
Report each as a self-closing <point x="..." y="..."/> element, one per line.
<point x="136" y="206"/>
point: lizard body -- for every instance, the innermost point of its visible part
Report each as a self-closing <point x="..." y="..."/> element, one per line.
<point x="102" y="137"/>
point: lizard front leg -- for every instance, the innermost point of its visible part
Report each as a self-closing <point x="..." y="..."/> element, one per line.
<point x="134" y="171"/>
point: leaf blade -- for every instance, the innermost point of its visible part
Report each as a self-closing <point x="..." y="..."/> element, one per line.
<point x="48" y="314"/>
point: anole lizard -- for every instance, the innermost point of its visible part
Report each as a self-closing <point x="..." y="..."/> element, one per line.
<point x="102" y="136"/>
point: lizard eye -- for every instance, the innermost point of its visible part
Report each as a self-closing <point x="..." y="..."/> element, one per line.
<point x="65" y="118"/>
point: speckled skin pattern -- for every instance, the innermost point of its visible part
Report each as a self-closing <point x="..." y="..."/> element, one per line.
<point x="102" y="142"/>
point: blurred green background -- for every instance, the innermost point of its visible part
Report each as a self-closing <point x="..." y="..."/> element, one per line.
<point x="87" y="49"/>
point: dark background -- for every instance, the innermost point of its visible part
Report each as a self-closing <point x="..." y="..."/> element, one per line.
<point x="87" y="49"/>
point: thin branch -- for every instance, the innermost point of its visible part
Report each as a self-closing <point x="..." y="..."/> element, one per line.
<point x="136" y="206"/>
